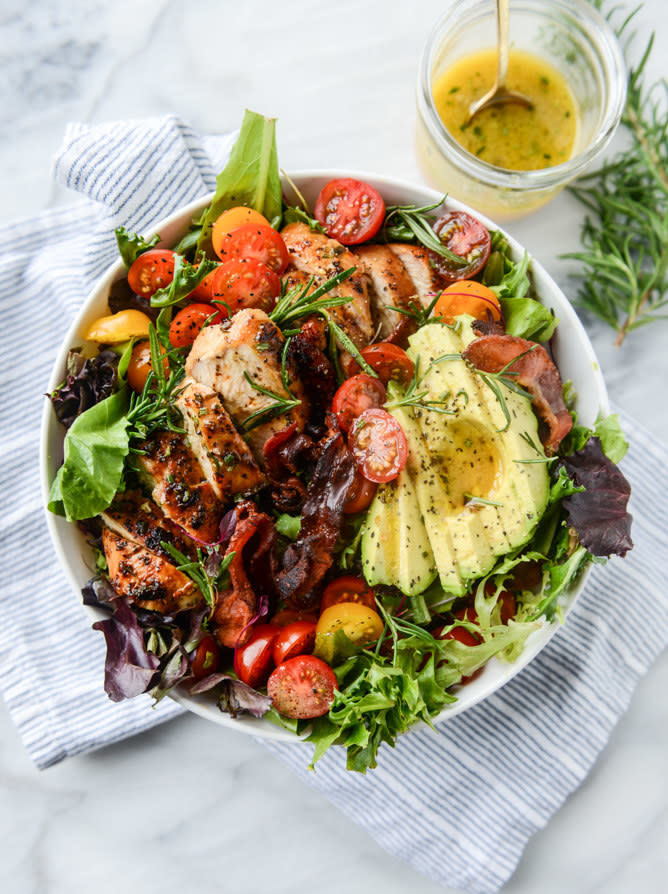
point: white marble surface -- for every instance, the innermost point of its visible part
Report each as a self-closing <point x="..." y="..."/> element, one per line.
<point x="191" y="805"/>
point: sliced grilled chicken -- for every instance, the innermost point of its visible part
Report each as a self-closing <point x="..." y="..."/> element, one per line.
<point x="179" y="487"/>
<point x="316" y="255"/>
<point x="135" y="517"/>
<point x="222" y="453"/>
<point x="146" y="578"/>
<point x="391" y="286"/>
<point x="415" y="259"/>
<point x="248" y="345"/>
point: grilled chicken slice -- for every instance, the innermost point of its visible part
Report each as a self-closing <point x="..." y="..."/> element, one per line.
<point x="222" y="453"/>
<point x="391" y="286"/>
<point x="135" y="517"/>
<point x="146" y="578"/>
<point x="415" y="259"/>
<point x="316" y="255"/>
<point x="248" y="345"/>
<point x="179" y="487"/>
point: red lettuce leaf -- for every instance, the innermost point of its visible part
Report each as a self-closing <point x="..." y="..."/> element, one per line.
<point x="234" y="697"/>
<point x="129" y="669"/>
<point x="599" y="513"/>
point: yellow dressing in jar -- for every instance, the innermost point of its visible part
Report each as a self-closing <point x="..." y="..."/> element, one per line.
<point x="509" y="135"/>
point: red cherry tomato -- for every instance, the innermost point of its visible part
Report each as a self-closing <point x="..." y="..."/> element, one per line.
<point x="461" y="634"/>
<point x="188" y="323"/>
<point x="466" y="237"/>
<point x="255" y="241"/>
<point x="350" y="210"/>
<point x="302" y="687"/>
<point x="356" y="395"/>
<point x="360" y="495"/>
<point x="245" y="282"/>
<point x="388" y="360"/>
<point x="294" y="639"/>
<point x="153" y="270"/>
<point x="204" y="290"/>
<point x="289" y="615"/>
<point x="205" y="658"/>
<point x="379" y="445"/>
<point x="348" y="589"/>
<point x="253" y="662"/>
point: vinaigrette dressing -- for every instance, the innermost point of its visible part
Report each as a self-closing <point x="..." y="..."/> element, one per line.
<point x="510" y="136"/>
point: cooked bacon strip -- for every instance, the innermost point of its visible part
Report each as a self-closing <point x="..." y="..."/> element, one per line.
<point x="308" y="559"/>
<point x="284" y="454"/>
<point x="314" y="368"/>
<point x="534" y="371"/>
<point x="237" y="607"/>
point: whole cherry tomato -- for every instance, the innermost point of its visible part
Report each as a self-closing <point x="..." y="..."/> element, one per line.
<point x="253" y="661"/>
<point x="350" y="211"/>
<point x="294" y="639"/>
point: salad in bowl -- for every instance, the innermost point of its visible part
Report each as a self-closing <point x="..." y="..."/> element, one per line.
<point x="328" y="456"/>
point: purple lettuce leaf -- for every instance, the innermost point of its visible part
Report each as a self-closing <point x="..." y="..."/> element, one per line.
<point x="234" y="697"/>
<point x="87" y="382"/>
<point x="599" y="513"/>
<point x="129" y="669"/>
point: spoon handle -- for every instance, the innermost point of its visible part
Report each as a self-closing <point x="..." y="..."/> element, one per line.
<point x="502" y="29"/>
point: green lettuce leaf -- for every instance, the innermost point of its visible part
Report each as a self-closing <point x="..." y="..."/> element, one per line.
<point x="251" y="176"/>
<point x="95" y="448"/>
<point x="526" y="318"/>
<point x="611" y="436"/>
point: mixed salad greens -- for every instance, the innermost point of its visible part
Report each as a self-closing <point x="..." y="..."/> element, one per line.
<point x="271" y="579"/>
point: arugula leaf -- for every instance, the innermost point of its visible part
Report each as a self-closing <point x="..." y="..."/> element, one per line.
<point x="250" y="177"/>
<point x="186" y="278"/>
<point x="131" y="245"/>
<point x="294" y="214"/>
<point x="95" y="448"/>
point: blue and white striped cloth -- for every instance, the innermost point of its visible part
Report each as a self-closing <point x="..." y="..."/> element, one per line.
<point x="460" y="804"/>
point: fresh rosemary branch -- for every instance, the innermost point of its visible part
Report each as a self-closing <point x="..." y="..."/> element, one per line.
<point x="405" y="223"/>
<point x="420" y="314"/>
<point x="281" y="404"/>
<point x="413" y="397"/>
<point x="625" y="234"/>
<point x="300" y="301"/>
<point x="196" y="570"/>
<point x="154" y="408"/>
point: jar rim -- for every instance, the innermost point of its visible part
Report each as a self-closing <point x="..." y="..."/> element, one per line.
<point x="603" y="42"/>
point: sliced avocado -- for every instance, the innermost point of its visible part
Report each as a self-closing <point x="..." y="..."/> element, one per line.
<point x="395" y="547"/>
<point x="475" y="484"/>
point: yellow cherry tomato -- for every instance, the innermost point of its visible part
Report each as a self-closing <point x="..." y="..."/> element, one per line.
<point x="468" y="297"/>
<point x="360" y="623"/>
<point x="231" y="220"/>
<point x="119" y="327"/>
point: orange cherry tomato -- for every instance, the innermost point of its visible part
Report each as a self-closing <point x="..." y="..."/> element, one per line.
<point x="387" y="360"/>
<point x="245" y="282"/>
<point x="360" y="495"/>
<point x="302" y="687"/>
<point x="468" y="297"/>
<point x="140" y="366"/>
<point x="153" y="270"/>
<point x="294" y="639"/>
<point x="232" y="219"/>
<point x="348" y="589"/>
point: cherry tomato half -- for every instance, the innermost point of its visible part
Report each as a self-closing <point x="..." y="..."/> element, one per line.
<point x="245" y="282"/>
<point x="153" y="270"/>
<point x="360" y="623"/>
<point x="354" y="396"/>
<point x="188" y="323"/>
<point x="254" y="661"/>
<point x="466" y="237"/>
<point x="302" y="687"/>
<point x="259" y="242"/>
<point x="140" y="366"/>
<point x="468" y="297"/>
<point x="294" y="639"/>
<point x="360" y="495"/>
<point x="348" y="589"/>
<point x="387" y="360"/>
<point x="232" y="219"/>
<point x="205" y="658"/>
<point x="379" y="446"/>
<point x="350" y="210"/>
<point x="289" y="615"/>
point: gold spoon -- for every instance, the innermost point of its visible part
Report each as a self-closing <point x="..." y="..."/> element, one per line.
<point x="499" y="93"/>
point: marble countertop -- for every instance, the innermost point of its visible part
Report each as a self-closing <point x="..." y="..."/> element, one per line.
<point x="186" y="805"/>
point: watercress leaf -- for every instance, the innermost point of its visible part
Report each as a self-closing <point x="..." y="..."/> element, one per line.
<point x="95" y="448"/>
<point x="131" y="245"/>
<point x="251" y="176"/>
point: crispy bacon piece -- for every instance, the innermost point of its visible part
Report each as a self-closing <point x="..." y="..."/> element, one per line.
<point x="283" y="454"/>
<point x="251" y="568"/>
<point x="314" y="368"/>
<point x="306" y="561"/>
<point x="534" y="370"/>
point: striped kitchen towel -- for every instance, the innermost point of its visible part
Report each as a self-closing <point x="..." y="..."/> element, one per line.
<point x="459" y="804"/>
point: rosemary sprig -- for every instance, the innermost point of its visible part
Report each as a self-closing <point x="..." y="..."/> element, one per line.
<point x="420" y="399"/>
<point x="155" y="407"/>
<point x="420" y="314"/>
<point x="300" y="301"/>
<point x="281" y="404"/>
<point x="195" y="569"/>
<point x="405" y="223"/>
<point x="625" y="234"/>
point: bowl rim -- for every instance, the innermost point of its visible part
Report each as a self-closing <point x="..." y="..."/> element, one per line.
<point x="204" y="705"/>
<point x="608" y="51"/>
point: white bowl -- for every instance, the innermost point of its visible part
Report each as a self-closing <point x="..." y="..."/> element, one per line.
<point x="572" y="350"/>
